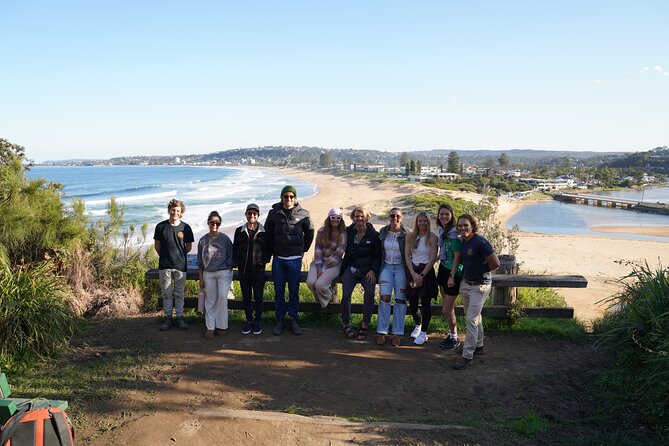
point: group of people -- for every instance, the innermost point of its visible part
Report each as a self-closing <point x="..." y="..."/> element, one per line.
<point x="400" y="260"/>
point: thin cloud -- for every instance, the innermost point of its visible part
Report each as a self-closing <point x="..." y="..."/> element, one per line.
<point x="656" y="69"/>
<point x="599" y="82"/>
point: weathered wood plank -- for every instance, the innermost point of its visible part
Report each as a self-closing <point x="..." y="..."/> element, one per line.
<point x="511" y="280"/>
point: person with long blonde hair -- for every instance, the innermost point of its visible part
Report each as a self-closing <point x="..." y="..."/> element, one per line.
<point x="392" y="280"/>
<point x="420" y="251"/>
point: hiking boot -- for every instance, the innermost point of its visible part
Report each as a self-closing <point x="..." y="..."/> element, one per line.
<point x="257" y="328"/>
<point x="278" y="327"/>
<point x="416" y="331"/>
<point x="180" y="323"/>
<point x="421" y="338"/>
<point x="450" y="343"/>
<point x="295" y="327"/>
<point x="167" y="323"/>
<point x="247" y="328"/>
<point x="380" y="339"/>
<point x="477" y="350"/>
<point x="462" y="363"/>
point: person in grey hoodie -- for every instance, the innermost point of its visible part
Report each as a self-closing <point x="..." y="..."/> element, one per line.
<point x="290" y="232"/>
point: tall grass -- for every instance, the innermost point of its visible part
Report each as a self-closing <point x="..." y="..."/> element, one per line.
<point x="637" y="328"/>
<point x="36" y="321"/>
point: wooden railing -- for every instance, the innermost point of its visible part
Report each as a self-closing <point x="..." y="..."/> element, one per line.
<point x="503" y="282"/>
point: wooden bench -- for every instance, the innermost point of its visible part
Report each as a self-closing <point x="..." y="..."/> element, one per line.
<point x="497" y="311"/>
<point x="9" y="406"/>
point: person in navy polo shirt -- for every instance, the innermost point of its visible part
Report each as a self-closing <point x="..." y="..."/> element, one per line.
<point x="479" y="259"/>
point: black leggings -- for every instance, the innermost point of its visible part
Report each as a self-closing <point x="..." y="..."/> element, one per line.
<point x="421" y="317"/>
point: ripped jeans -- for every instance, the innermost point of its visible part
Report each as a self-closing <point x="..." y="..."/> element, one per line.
<point x="392" y="278"/>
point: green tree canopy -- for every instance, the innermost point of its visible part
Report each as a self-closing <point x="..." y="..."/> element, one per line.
<point x="454" y="163"/>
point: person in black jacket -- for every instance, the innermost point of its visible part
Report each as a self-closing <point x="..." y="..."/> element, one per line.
<point x="361" y="264"/>
<point x="250" y="255"/>
<point x="290" y="232"/>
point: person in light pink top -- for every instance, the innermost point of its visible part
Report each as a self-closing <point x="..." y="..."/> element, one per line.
<point x="328" y="253"/>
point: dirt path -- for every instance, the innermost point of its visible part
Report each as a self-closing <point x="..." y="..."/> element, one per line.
<point x="265" y="389"/>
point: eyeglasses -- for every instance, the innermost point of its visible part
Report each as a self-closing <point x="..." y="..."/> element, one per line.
<point x="395" y="216"/>
<point x="335" y="217"/>
<point x="214" y="223"/>
<point x="288" y="197"/>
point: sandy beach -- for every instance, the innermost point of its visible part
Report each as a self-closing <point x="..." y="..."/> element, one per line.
<point x="602" y="260"/>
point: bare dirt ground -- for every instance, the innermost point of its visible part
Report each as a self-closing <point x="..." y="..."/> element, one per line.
<point x="323" y="389"/>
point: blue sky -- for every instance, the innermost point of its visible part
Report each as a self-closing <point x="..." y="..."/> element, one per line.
<point x="101" y="79"/>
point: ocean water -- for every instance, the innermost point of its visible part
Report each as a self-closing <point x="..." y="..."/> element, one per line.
<point x="146" y="190"/>
<point x="556" y="217"/>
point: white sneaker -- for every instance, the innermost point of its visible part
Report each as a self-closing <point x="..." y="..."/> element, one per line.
<point x="416" y="331"/>
<point x="421" y="338"/>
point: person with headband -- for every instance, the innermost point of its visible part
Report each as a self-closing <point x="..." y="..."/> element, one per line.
<point x="328" y="252"/>
<point x="290" y="232"/>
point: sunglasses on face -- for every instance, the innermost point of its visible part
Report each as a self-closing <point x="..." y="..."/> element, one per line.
<point x="214" y="223"/>
<point x="335" y="217"/>
<point x="288" y="197"/>
<point x="395" y="216"/>
<point x="249" y="214"/>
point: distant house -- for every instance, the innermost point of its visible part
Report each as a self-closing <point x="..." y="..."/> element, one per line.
<point x="547" y="184"/>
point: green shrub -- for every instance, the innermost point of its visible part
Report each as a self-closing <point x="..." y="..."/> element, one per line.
<point x="35" y="320"/>
<point x="539" y="297"/>
<point x="637" y="329"/>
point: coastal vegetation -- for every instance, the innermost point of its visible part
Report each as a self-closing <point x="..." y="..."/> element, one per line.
<point x="56" y="266"/>
<point x="637" y="329"/>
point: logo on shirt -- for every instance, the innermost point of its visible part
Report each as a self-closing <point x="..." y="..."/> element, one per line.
<point x="180" y="234"/>
<point x="470" y="252"/>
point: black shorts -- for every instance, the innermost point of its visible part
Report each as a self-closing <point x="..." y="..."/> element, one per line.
<point x="442" y="281"/>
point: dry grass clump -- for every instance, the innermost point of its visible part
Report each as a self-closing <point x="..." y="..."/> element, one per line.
<point x="100" y="302"/>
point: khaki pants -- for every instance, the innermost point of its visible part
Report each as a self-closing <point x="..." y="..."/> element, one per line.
<point x="473" y="298"/>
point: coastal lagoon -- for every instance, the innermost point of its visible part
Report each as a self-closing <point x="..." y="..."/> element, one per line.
<point x="146" y="190"/>
<point x="556" y="217"/>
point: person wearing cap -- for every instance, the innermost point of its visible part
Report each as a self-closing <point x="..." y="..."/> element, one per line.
<point x="250" y="255"/>
<point x="328" y="252"/>
<point x="290" y="232"/>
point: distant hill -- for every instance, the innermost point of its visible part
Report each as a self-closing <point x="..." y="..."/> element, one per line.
<point x="289" y="155"/>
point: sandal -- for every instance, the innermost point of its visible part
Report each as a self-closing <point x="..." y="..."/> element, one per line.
<point x="349" y="332"/>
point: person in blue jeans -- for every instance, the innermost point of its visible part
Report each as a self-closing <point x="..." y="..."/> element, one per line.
<point x="290" y="232"/>
<point x="392" y="279"/>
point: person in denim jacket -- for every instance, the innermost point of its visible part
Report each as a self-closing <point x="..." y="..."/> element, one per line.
<point x="392" y="279"/>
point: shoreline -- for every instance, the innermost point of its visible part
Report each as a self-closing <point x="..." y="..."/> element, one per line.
<point x="603" y="260"/>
